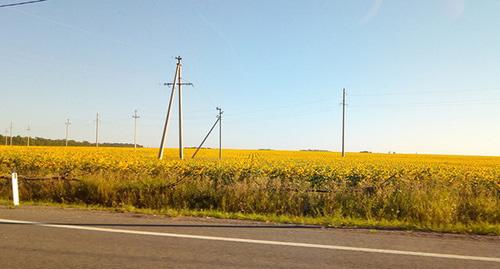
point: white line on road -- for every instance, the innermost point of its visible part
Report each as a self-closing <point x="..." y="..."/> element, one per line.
<point x="253" y="241"/>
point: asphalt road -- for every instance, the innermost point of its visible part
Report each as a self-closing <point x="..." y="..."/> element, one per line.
<point x="44" y="237"/>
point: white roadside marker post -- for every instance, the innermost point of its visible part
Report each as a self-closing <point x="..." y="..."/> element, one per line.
<point x="15" y="189"/>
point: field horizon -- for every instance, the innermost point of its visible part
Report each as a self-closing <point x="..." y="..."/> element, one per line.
<point x="189" y="148"/>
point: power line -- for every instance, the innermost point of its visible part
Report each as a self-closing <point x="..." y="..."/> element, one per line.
<point x="22" y="3"/>
<point x="425" y="91"/>
<point x="280" y="107"/>
<point x="206" y="97"/>
<point x="325" y="100"/>
<point x="422" y="104"/>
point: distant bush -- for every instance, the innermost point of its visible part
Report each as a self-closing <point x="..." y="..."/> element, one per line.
<point x="39" y="141"/>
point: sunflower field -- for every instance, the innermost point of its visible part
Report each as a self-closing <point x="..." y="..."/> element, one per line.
<point x="422" y="192"/>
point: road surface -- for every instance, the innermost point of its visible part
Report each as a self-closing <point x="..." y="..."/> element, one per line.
<point x="45" y="237"/>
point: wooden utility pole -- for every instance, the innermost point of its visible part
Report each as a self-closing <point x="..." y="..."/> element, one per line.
<point x="179" y="84"/>
<point x="177" y="81"/>
<point x="169" y="109"/>
<point x="97" y="130"/>
<point x="218" y="121"/>
<point x="220" y="131"/>
<point x="67" y="123"/>
<point x="135" y="117"/>
<point x="29" y="135"/>
<point x="343" y="122"/>
<point x="11" y="126"/>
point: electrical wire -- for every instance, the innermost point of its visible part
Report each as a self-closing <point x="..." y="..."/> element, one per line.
<point x="22" y="3"/>
<point x="424" y="92"/>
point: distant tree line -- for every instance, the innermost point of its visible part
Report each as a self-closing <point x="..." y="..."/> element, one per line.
<point x="40" y="141"/>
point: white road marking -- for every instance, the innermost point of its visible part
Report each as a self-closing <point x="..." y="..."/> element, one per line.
<point x="253" y="241"/>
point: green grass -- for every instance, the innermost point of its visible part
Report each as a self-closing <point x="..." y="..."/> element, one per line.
<point x="410" y="205"/>
<point x="331" y="222"/>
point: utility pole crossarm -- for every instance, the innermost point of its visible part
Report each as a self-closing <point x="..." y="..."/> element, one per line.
<point x="182" y="83"/>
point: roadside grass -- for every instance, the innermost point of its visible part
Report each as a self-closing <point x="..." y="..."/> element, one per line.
<point x="327" y="222"/>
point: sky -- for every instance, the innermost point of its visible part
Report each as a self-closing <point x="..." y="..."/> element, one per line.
<point x="421" y="76"/>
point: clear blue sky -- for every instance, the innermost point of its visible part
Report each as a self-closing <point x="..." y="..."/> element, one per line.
<point x="421" y="76"/>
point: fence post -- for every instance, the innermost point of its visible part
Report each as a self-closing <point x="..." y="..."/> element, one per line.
<point x="15" y="189"/>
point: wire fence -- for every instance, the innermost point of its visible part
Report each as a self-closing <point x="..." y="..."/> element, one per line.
<point x="27" y="178"/>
